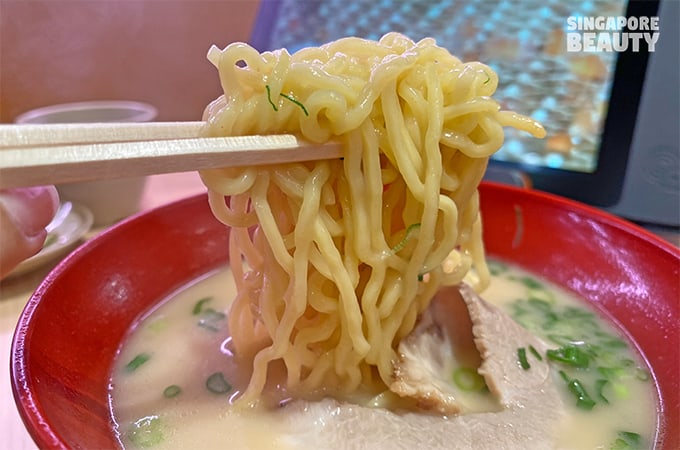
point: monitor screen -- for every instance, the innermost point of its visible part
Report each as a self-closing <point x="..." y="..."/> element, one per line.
<point x="547" y="69"/>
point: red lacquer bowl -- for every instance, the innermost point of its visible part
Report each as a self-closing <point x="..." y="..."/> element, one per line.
<point x="72" y="326"/>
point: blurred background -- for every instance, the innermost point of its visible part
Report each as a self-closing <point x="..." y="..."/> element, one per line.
<point x="59" y="51"/>
<point x="611" y="118"/>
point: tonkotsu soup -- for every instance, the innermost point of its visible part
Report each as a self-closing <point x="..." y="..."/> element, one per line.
<point x="175" y="380"/>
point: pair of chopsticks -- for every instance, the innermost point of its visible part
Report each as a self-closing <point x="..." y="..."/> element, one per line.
<point x="62" y="153"/>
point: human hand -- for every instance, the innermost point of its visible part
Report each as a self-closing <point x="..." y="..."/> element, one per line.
<point x="24" y="213"/>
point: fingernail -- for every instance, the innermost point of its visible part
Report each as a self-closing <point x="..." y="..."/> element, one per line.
<point x="31" y="209"/>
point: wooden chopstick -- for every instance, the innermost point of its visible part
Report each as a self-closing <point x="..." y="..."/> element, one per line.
<point x="29" y="135"/>
<point x="47" y="154"/>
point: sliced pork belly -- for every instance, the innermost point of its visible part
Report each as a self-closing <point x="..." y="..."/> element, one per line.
<point x="524" y="413"/>
<point x="442" y="341"/>
<point x="460" y="328"/>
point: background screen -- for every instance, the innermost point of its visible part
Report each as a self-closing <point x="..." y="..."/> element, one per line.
<point x="524" y="42"/>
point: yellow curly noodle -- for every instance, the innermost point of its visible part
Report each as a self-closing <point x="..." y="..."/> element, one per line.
<point x="334" y="260"/>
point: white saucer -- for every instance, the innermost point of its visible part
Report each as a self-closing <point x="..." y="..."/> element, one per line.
<point x="69" y="225"/>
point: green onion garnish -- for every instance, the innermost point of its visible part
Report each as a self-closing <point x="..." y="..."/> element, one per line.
<point x="488" y="78"/>
<point x="409" y="233"/>
<point x="641" y="374"/>
<point x="559" y="339"/>
<point x="198" y="306"/>
<point x="575" y="386"/>
<point x="287" y="97"/>
<point x="535" y="353"/>
<point x="136" y="362"/>
<point x="577" y="313"/>
<point x="522" y="357"/>
<point x="599" y="388"/>
<point x="620" y="390"/>
<point x="146" y="432"/>
<point x="530" y="283"/>
<point x="613" y="342"/>
<point x="217" y="384"/>
<point x="541" y="305"/>
<point x="467" y="379"/>
<point x="292" y="99"/>
<point x="625" y="362"/>
<point x="269" y="97"/>
<point x="496" y="268"/>
<point x="172" y="391"/>
<point x="612" y="373"/>
<point x="570" y="355"/>
<point x="627" y="440"/>
<point x="594" y="363"/>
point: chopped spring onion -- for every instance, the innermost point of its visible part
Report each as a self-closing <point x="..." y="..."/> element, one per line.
<point x="559" y="339"/>
<point x="217" y="384"/>
<point x="467" y="379"/>
<point x="571" y="312"/>
<point x="158" y="325"/>
<point x="488" y="78"/>
<point x="269" y="97"/>
<point x="542" y="305"/>
<point x="612" y="373"/>
<point x="621" y="390"/>
<point x="627" y="440"/>
<point x="496" y="268"/>
<point x="592" y="360"/>
<point x="575" y="386"/>
<point x="571" y="355"/>
<point x="531" y="283"/>
<point x="198" y="306"/>
<point x="136" y="362"/>
<point x="287" y="97"/>
<point x="535" y="353"/>
<point x="172" y="391"/>
<point x="146" y="432"/>
<point x="297" y="102"/>
<point x="522" y="357"/>
<point x="641" y="374"/>
<point x="613" y="342"/>
<point x="599" y="389"/>
<point x="407" y="236"/>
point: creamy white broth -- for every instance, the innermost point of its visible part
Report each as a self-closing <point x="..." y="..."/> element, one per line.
<point x="598" y="427"/>
<point x="173" y="346"/>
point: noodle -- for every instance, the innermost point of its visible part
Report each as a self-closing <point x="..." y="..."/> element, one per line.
<point x="335" y="259"/>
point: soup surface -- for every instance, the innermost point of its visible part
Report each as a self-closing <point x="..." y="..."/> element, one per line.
<point x="175" y="378"/>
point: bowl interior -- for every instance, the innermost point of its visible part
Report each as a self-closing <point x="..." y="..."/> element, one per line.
<point x="73" y="325"/>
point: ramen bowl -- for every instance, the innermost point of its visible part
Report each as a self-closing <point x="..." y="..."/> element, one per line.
<point x="72" y="327"/>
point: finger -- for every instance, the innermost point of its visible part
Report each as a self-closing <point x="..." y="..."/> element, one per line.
<point x="24" y="213"/>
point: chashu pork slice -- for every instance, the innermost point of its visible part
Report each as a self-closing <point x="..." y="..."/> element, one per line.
<point x="459" y="328"/>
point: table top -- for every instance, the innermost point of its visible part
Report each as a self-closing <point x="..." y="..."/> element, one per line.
<point x="14" y="293"/>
